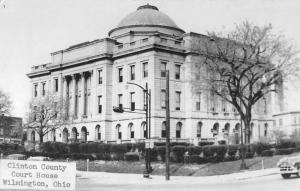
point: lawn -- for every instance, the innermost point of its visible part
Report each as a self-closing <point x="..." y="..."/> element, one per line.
<point x="177" y="169"/>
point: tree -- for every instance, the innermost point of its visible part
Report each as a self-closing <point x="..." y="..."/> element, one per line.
<point x="5" y="103"/>
<point x="5" y="107"/>
<point x="245" y="65"/>
<point x="46" y="114"/>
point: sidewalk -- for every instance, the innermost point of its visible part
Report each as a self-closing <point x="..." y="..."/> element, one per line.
<point x="118" y="178"/>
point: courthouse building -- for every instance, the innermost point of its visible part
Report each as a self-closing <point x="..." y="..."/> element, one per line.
<point x="92" y="77"/>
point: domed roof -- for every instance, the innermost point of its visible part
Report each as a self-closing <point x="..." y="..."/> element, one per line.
<point x="147" y="16"/>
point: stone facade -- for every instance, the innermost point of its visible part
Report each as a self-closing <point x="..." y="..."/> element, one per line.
<point x="93" y="76"/>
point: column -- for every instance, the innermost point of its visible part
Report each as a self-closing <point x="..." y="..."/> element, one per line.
<point x="74" y="94"/>
<point x="82" y="92"/>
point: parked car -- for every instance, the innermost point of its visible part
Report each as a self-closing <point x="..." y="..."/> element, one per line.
<point x="16" y="157"/>
<point x="289" y="166"/>
<point x="39" y="158"/>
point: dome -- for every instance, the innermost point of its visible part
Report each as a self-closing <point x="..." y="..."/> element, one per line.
<point x="144" y="17"/>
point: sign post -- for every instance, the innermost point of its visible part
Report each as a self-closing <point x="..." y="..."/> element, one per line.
<point x="37" y="175"/>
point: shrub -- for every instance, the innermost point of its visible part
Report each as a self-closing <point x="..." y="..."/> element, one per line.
<point x="260" y="147"/>
<point x="73" y="148"/>
<point x="179" y="152"/>
<point x="194" y="150"/>
<point x="285" y="151"/>
<point x="196" y="159"/>
<point x="161" y="152"/>
<point x="83" y="148"/>
<point x="139" y="146"/>
<point x="249" y="155"/>
<point x="203" y="143"/>
<point x="284" y="144"/>
<point x="222" y="142"/>
<point x="132" y="156"/>
<point x="232" y="149"/>
<point x="267" y="153"/>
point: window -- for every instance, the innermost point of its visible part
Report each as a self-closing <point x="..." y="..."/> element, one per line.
<point x="280" y="122"/>
<point x="266" y="130"/>
<point x="163" y="68"/>
<point x="35" y="90"/>
<point x="98" y="132"/>
<point x="132" y="103"/>
<point x="56" y="85"/>
<point x="265" y="105"/>
<point x="99" y="104"/>
<point x="212" y="100"/>
<point x="120" y="100"/>
<point x="178" y="129"/>
<point x="198" y="101"/>
<point x="131" y="130"/>
<point x="43" y="89"/>
<point x="177" y="101"/>
<point x="120" y="74"/>
<point x="199" y="127"/>
<point x="100" y="77"/>
<point x="177" y="72"/>
<point x="144" y="128"/>
<point x="132" y="72"/>
<point x="119" y="133"/>
<point x="145" y="69"/>
<point x="163" y="130"/>
<point x="163" y="99"/>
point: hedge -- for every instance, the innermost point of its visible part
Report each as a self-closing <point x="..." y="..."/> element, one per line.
<point x="267" y="153"/>
<point x="132" y="156"/>
<point x="178" y="152"/>
<point x="285" y="151"/>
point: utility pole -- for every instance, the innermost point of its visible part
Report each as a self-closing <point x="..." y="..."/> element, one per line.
<point x="167" y="127"/>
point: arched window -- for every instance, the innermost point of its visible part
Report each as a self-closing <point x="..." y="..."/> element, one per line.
<point x="144" y="130"/>
<point x="33" y="135"/>
<point x="215" y="129"/>
<point x="236" y="133"/>
<point x="131" y="130"/>
<point x="178" y="129"/>
<point x="53" y="135"/>
<point x="65" y="136"/>
<point x="83" y="134"/>
<point x="199" y="129"/>
<point x="226" y="128"/>
<point x="98" y="132"/>
<point x="118" y="131"/>
<point x="266" y="130"/>
<point x="74" y="134"/>
<point x="163" y="130"/>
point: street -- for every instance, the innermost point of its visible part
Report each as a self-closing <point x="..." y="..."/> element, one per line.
<point x="273" y="182"/>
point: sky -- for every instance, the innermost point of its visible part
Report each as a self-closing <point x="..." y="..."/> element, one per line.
<point x="31" y="29"/>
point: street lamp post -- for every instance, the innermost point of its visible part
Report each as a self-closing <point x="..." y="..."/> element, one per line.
<point x="147" y="110"/>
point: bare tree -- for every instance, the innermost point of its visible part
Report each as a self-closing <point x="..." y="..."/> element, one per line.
<point x="245" y="65"/>
<point x="46" y="114"/>
<point x="5" y="103"/>
<point x="5" y="107"/>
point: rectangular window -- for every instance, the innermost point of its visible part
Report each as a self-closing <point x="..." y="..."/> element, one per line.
<point x="177" y="101"/>
<point x="132" y="134"/>
<point x="43" y="89"/>
<point x="120" y="100"/>
<point x="145" y="69"/>
<point x="132" y="72"/>
<point x="56" y="85"/>
<point x="198" y="101"/>
<point x="280" y="122"/>
<point x="163" y="68"/>
<point x="132" y="103"/>
<point x="120" y="70"/>
<point x="99" y="104"/>
<point x="35" y="90"/>
<point x="100" y="77"/>
<point x="177" y="72"/>
<point x="163" y="99"/>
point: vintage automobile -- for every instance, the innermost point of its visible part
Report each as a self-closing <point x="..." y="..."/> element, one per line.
<point x="39" y="158"/>
<point x="289" y="166"/>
